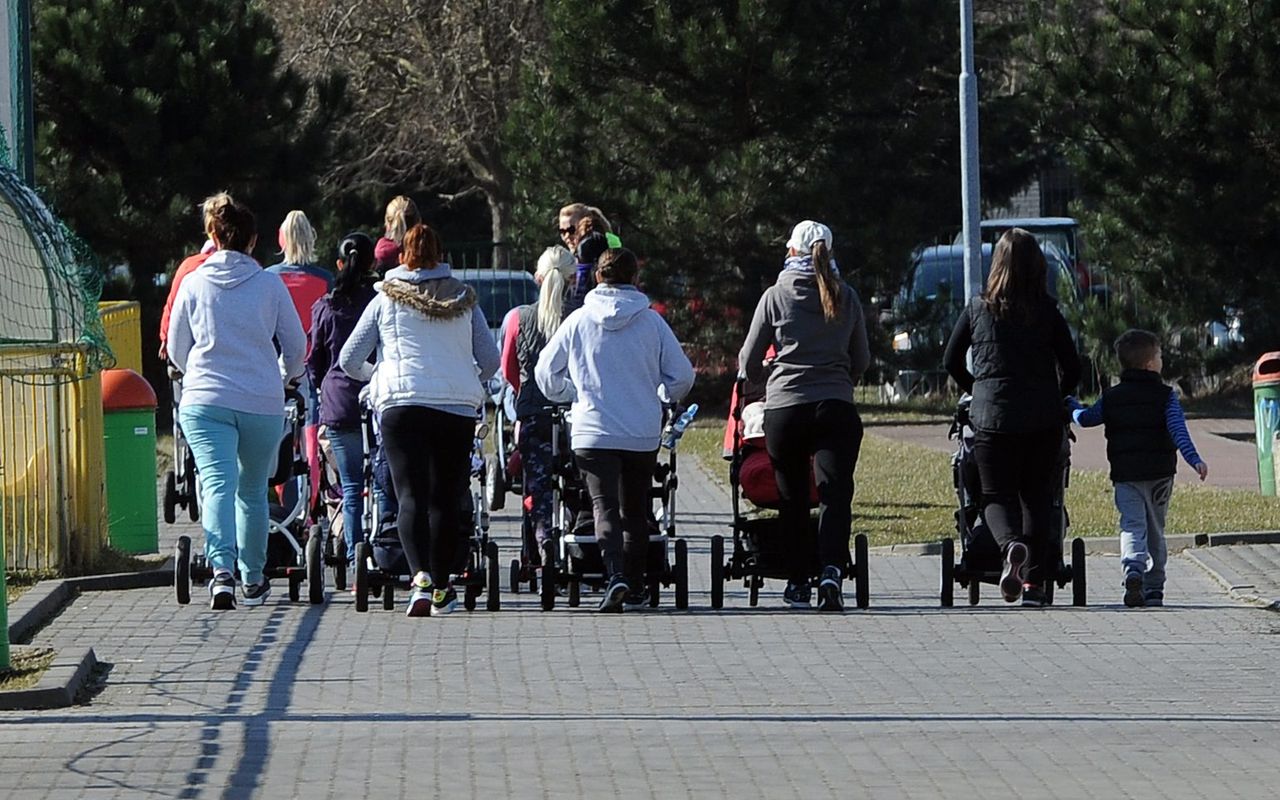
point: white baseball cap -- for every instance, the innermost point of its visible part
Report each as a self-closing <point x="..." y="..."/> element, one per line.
<point x="807" y="233"/>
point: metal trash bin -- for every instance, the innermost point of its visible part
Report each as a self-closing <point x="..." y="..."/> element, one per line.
<point x="129" y="426"/>
<point x="1266" y="419"/>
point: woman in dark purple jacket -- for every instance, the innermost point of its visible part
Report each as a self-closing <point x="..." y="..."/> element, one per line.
<point x="332" y="319"/>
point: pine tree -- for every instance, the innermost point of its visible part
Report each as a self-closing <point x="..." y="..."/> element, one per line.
<point x="707" y="128"/>
<point x="1169" y="110"/>
<point x="144" y="107"/>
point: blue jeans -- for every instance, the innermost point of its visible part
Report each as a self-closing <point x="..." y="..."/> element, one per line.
<point x="348" y="454"/>
<point x="235" y="453"/>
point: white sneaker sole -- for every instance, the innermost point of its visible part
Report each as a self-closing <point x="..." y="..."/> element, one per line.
<point x="1011" y="580"/>
<point x="444" y="610"/>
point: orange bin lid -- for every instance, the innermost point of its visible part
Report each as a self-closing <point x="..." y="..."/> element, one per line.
<point x="1267" y="368"/>
<point x="124" y="389"/>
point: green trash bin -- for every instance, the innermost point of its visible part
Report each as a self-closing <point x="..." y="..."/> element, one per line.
<point x="129" y="422"/>
<point x="1266" y="419"/>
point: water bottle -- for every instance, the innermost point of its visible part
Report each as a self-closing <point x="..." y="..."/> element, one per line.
<point x="676" y="429"/>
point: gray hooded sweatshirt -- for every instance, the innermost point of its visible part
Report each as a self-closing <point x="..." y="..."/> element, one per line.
<point x="816" y="360"/>
<point x="612" y="357"/>
<point x="223" y="329"/>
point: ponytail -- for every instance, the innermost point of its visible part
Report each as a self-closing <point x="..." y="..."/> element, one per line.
<point x="356" y="252"/>
<point x="555" y="265"/>
<point x="828" y="285"/>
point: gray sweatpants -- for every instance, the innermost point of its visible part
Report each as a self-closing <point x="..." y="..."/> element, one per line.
<point x="1143" y="506"/>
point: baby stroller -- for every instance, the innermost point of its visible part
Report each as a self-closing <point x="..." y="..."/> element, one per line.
<point x="380" y="564"/>
<point x="295" y="548"/>
<point x="330" y="520"/>
<point x="180" y="489"/>
<point x="573" y="531"/>
<point x="980" y="558"/>
<point x="502" y="471"/>
<point x="760" y="547"/>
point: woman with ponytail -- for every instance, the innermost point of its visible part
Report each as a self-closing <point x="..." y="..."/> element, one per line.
<point x="333" y="317"/>
<point x="814" y="320"/>
<point x="526" y="331"/>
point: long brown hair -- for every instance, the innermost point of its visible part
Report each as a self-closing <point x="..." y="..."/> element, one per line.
<point x="829" y="290"/>
<point x="1016" y="285"/>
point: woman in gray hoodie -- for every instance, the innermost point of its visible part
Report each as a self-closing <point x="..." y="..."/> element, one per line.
<point x="614" y="357"/>
<point x="227" y="318"/>
<point x="814" y="319"/>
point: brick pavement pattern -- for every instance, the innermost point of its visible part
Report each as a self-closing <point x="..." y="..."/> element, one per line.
<point x="903" y="700"/>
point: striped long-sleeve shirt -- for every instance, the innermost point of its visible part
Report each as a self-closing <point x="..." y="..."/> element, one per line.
<point x="1174" y="419"/>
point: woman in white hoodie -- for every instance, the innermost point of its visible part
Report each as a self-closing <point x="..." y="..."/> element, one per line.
<point x="433" y="351"/>
<point x="226" y="320"/>
<point x="613" y="357"/>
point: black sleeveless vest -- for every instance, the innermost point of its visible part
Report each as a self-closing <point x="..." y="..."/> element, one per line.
<point x="1015" y="371"/>
<point x="529" y="344"/>
<point x="1139" y="447"/>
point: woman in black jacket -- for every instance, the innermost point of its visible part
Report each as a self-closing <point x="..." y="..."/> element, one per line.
<point x="1024" y="364"/>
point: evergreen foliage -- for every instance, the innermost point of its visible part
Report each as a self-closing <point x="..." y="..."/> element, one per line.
<point x="705" y="129"/>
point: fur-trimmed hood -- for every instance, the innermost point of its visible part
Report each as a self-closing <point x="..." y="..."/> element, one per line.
<point x="435" y="296"/>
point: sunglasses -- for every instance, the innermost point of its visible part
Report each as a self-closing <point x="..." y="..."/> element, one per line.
<point x="566" y="231"/>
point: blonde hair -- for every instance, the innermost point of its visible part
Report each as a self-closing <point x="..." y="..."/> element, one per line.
<point x="579" y="211"/>
<point x="298" y="238"/>
<point x="402" y="214"/>
<point x="228" y="222"/>
<point x="555" y="266"/>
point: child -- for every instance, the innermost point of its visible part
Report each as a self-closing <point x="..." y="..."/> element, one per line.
<point x="1145" y="427"/>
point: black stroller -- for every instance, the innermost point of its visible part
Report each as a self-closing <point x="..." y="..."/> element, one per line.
<point x="498" y="477"/>
<point x="380" y="564"/>
<point x="180" y="489"/>
<point x="980" y="558"/>
<point x="760" y="547"/>
<point x="295" y="547"/>
<point x="573" y="530"/>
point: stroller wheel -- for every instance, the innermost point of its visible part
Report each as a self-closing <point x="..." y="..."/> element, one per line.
<point x="362" y="576"/>
<point x="862" y="592"/>
<point x="469" y="595"/>
<point x="493" y="600"/>
<point x="170" y="497"/>
<point x="388" y="595"/>
<point x="193" y="502"/>
<point x="655" y="590"/>
<point x="575" y="593"/>
<point x="549" y="584"/>
<point x="754" y="583"/>
<point x="494" y="484"/>
<point x="975" y="591"/>
<point x="295" y="587"/>
<point x="947" y="589"/>
<point x="1079" y="596"/>
<point x="717" y="571"/>
<point x="682" y="574"/>
<point x="315" y="567"/>
<point x="182" y="570"/>
<point x="515" y="576"/>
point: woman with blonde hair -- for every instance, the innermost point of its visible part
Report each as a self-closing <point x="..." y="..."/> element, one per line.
<point x="526" y="331"/>
<point x="401" y="215"/>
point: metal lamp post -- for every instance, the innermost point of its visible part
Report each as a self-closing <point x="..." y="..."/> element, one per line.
<point x="970" y="192"/>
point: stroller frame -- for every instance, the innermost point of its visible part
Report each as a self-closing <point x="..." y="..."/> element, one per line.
<point x="755" y="538"/>
<point x="181" y="483"/>
<point x="480" y="573"/>
<point x="667" y="558"/>
<point x="980" y="559"/>
<point x="292" y="525"/>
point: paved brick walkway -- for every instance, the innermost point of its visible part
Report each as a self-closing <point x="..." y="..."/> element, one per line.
<point x="905" y="700"/>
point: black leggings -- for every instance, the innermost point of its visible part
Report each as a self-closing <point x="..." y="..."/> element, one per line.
<point x="619" y="482"/>
<point x="831" y="432"/>
<point x="429" y="454"/>
<point x="1020" y="475"/>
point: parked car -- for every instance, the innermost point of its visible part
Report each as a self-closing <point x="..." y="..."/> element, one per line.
<point x="498" y="291"/>
<point x="929" y="303"/>
<point x="1060" y="232"/>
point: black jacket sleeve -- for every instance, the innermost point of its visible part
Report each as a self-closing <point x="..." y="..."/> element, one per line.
<point x="953" y="359"/>
<point x="1068" y="359"/>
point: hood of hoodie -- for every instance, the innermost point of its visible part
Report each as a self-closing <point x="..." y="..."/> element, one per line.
<point x="800" y="284"/>
<point x="614" y="307"/>
<point x="434" y="292"/>
<point x="228" y="269"/>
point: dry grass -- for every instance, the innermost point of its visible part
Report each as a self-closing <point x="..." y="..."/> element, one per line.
<point x="25" y="668"/>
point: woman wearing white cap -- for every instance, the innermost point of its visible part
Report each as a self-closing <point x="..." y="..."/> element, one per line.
<point x="815" y="321"/>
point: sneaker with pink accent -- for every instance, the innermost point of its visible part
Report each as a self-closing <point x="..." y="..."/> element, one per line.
<point x="1015" y="558"/>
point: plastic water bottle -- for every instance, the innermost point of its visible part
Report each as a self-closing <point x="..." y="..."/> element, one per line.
<point x="676" y="429"/>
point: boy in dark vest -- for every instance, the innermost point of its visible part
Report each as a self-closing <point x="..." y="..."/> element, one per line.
<point x="1145" y="431"/>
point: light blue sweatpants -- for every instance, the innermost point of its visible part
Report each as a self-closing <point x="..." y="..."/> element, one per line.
<point x="1143" y="506"/>
<point x="235" y="454"/>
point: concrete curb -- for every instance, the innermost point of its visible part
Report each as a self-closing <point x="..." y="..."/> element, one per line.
<point x="1110" y="545"/>
<point x="59" y="686"/>
<point x="44" y="601"/>
<point x="1236" y="585"/>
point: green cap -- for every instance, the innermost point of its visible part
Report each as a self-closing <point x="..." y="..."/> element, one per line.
<point x="614" y="242"/>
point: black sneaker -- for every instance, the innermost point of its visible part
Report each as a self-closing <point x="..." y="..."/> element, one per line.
<point x="443" y="601"/>
<point x="614" y="595"/>
<point x="222" y="592"/>
<point x="830" y="597"/>
<point x="1033" y="596"/>
<point x="1011" y="577"/>
<point x="255" y="594"/>
<point x="1153" y="599"/>
<point x="1133" y="590"/>
<point x="637" y="598"/>
<point x="798" y="595"/>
